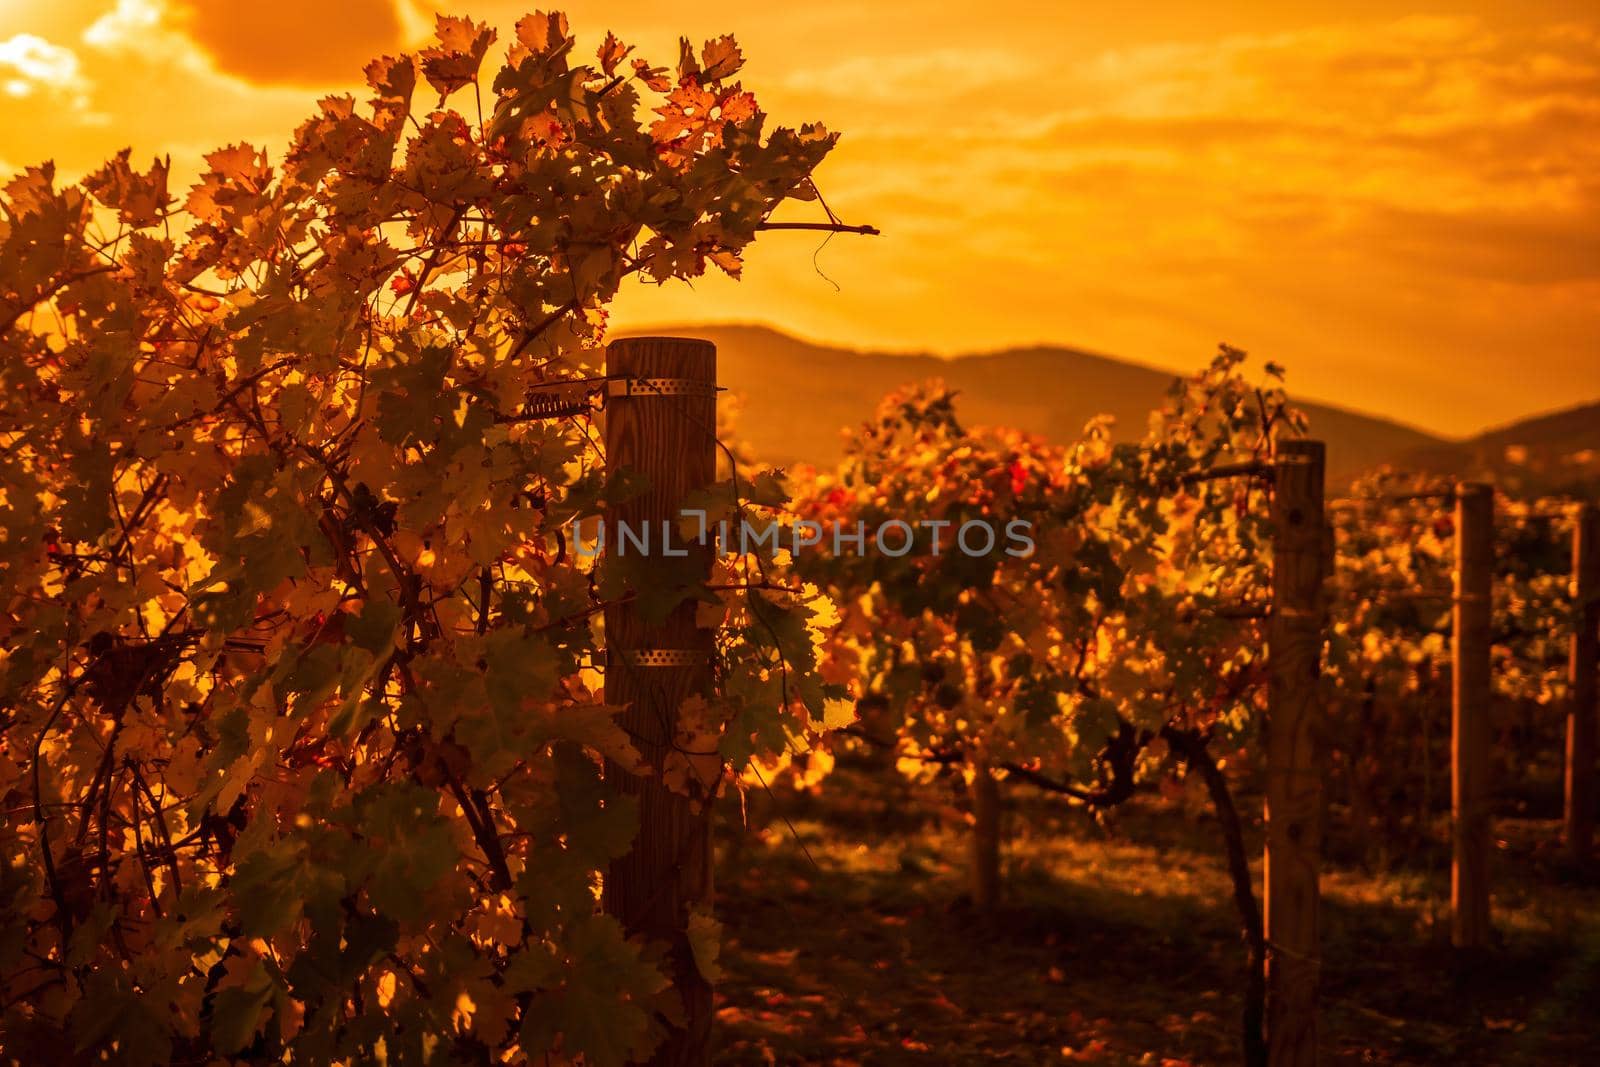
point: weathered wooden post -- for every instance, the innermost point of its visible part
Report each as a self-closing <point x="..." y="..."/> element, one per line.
<point x="984" y="841"/>
<point x="1583" y="709"/>
<point x="1294" y="770"/>
<point x="660" y="424"/>
<point x="1469" y="721"/>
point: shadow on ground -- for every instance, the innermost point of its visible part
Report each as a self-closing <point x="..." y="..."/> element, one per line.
<point x="848" y="941"/>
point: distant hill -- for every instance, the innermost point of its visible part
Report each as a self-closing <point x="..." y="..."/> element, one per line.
<point x="1554" y="453"/>
<point x="796" y="396"/>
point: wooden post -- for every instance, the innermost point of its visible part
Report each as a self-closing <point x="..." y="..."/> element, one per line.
<point x="1294" y="770"/>
<point x="663" y="431"/>
<point x="984" y="842"/>
<point x="1469" y="721"/>
<point x="1583" y="709"/>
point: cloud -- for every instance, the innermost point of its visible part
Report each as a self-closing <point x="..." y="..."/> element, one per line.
<point x="1347" y="129"/>
<point x="939" y="73"/>
<point x="291" y="42"/>
<point x="277" y="43"/>
<point x="1518" y="249"/>
<point x="1437" y="143"/>
<point x="134" y="77"/>
<point x="131" y="24"/>
<point x="142" y="34"/>
<point x="1409" y="80"/>
<point x="31" y="66"/>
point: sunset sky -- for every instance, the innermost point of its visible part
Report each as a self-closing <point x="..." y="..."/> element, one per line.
<point x="1403" y="210"/>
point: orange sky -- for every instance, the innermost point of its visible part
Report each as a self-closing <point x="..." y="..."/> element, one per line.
<point x="1403" y="210"/>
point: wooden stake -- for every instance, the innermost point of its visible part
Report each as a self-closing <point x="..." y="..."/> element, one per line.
<point x="1583" y="709"/>
<point x="985" y="840"/>
<point x="1469" y="723"/>
<point x="1294" y="770"/>
<point x="668" y="441"/>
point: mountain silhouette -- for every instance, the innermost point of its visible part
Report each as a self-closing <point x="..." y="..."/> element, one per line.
<point x="795" y="398"/>
<point x="1556" y="453"/>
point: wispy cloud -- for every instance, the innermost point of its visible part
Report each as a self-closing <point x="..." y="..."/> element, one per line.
<point x="32" y="67"/>
<point x="1370" y="203"/>
<point x="131" y="24"/>
<point x="930" y="75"/>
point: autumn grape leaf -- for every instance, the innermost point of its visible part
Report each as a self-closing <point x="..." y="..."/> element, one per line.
<point x="238" y="1012"/>
<point x="602" y="1008"/>
<point x="455" y="60"/>
<point x="139" y="199"/>
<point x="543" y="36"/>
<point x="705" y="942"/>
<point x="719" y="59"/>
<point x="611" y="53"/>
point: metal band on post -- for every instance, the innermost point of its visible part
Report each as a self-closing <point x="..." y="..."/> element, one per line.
<point x="638" y="387"/>
<point x="658" y="657"/>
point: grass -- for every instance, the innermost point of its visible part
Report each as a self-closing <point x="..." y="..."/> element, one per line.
<point x="849" y="940"/>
